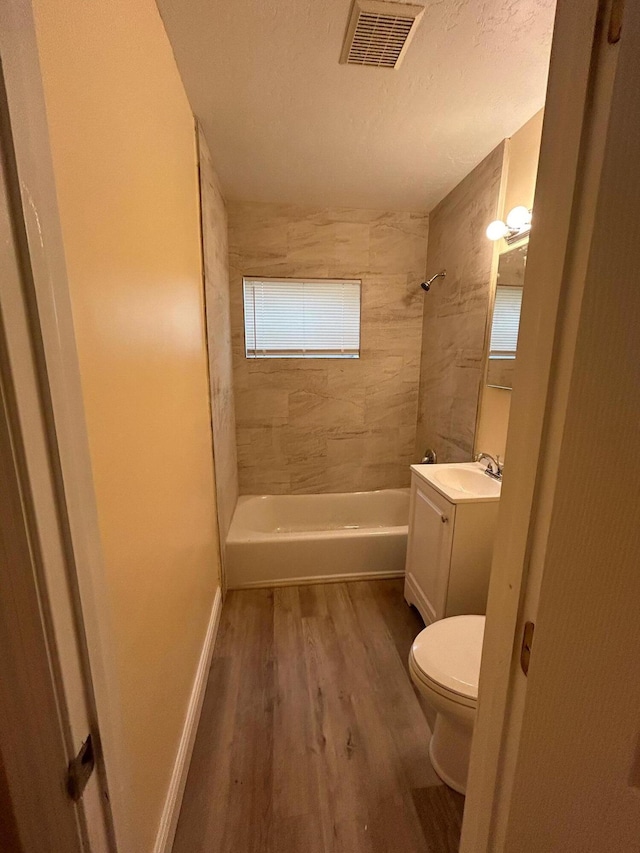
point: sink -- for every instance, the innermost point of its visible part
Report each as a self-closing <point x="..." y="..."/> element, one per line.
<point x="464" y="481"/>
<point x="470" y="480"/>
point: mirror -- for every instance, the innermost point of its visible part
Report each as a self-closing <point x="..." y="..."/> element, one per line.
<point x="505" y="321"/>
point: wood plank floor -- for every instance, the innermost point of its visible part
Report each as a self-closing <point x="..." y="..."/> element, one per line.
<point x="312" y="738"/>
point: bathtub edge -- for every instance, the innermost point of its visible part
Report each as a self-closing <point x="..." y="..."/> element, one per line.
<point x="308" y="580"/>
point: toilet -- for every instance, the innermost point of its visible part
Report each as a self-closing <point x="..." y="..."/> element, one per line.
<point x="444" y="663"/>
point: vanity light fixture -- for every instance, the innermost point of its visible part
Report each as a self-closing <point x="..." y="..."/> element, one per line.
<point x="518" y="225"/>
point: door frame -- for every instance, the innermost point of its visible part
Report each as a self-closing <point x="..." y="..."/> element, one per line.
<point x="38" y="648"/>
<point x="47" y="709"/>
<point x="48" y="331"/>
<point x="546" y="343"/>
<point x="576" y="114"/>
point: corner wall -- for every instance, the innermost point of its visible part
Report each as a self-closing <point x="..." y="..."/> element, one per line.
<point x="330" y="425"/>
<point x="124" y="154"/>
<point x="215" y="251"/>
<point x="455" y="313"/>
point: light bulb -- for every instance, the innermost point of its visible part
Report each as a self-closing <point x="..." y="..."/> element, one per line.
<point x="519" y="218"/>
<point x="496" y="230"/>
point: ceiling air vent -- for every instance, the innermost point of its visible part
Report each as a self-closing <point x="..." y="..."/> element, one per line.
<point x="378" y="32"/>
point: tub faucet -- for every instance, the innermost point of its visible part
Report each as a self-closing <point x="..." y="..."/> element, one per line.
<point x="494" y="467"/>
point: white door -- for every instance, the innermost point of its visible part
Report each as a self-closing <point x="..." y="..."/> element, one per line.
<point x="577" y="777"/>
<point x="44" y="713"/>
<point x="47" y="696"/>
<point x="568" y="762"/>
<point x="33" y="754"/>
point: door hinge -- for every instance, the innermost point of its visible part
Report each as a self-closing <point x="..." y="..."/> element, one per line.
<point x="80" y="769"/>
<point x="527" y="642"/>
<point x="615" y="21"/>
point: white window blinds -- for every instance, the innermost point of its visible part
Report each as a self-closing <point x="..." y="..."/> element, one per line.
<point x="506" y="321"/>
<point x="301" y="318"/>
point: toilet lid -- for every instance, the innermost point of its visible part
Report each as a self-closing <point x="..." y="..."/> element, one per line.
<point x="448" y="652"/>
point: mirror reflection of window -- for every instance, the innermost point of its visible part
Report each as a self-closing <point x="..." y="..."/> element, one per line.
<point x="505" y="321"/>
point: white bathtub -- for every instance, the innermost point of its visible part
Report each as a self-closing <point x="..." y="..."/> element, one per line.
<point x="288" y="539"/>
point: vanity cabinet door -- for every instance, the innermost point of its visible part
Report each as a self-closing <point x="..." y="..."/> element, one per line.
<point x="429" y="549"/>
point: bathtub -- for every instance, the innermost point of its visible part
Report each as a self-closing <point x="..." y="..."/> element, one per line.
<point x="276" y="540"/>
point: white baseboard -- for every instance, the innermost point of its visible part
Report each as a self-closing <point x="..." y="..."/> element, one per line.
<point x="313" y="579"/>
<point x="171" y="811"/>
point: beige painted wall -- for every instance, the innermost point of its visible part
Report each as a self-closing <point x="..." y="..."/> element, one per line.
<point x="124" y="154"/>
<point x="332" y="425"/>
<point x="215" y="246"/>
<point x="522" y="168"/>
<point x="455" y="312"/>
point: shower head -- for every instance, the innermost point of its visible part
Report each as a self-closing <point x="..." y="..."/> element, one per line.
<point x="427" y="284"/>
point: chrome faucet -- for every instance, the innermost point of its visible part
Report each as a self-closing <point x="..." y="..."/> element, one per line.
<point x="494" y="468"/>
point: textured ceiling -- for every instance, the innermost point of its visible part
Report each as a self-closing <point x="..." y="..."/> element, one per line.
<point x="286" y="122"/>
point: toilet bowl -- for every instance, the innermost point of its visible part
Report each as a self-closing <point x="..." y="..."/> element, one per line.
<point x="444" y="663"/>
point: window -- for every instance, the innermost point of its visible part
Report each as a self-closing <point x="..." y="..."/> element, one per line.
<point x="506" y="321"/>
<point x="301" y="318"/>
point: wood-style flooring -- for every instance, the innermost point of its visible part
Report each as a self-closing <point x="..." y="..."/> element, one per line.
<point x="312" y="738"/>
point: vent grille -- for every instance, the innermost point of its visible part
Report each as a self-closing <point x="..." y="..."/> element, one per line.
<point x="378" y="33"/>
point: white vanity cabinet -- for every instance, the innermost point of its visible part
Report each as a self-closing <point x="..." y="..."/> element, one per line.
<point x="450" y="545"/>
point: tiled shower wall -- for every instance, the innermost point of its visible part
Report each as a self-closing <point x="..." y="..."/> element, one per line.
<point x="455" y="312"/>
<point x="334" y="425"/>
<point x="216" y="277"/>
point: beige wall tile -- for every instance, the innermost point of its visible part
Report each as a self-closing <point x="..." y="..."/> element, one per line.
<point x="349" y="424"/>
<point x="341" y="473"/>
<point x="286" y="374"/>
<point x="309" y="479"/>
<point x="455" y="313"/>
<point x="296" y="445"/>
<point x="309" y="410"/>
<point x="257" y="407"/>
<point x="261" y="480"/>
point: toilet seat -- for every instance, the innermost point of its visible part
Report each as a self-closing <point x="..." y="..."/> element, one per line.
<point x="424" y="681"/>
<point x="445" y="656"/>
